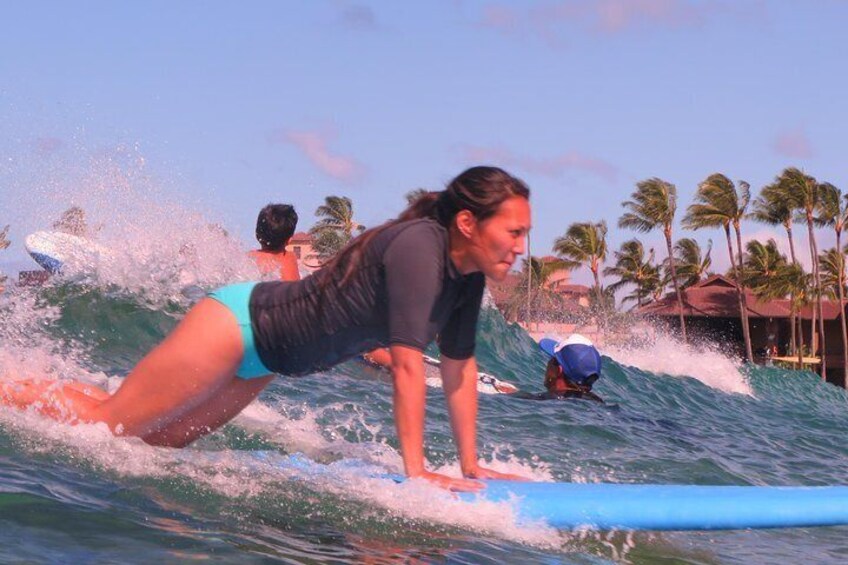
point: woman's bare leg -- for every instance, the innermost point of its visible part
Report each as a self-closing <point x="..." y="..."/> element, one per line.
<point x="183" y="389"/>
<point x="197" y="361"/>
<point x="72" y="402"/>
<point x="209" y="416"/>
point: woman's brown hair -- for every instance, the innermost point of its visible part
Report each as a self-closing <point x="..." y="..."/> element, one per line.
<point x="480" y="190"/>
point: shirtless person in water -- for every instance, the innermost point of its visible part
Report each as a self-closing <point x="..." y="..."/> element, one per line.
<point x="275" y="226"/>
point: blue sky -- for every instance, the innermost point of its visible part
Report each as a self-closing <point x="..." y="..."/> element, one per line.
<point x="232" y="105"/>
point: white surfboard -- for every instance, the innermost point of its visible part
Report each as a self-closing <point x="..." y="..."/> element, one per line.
<point x="486" y="383"/>
<point x="55" y="251"/>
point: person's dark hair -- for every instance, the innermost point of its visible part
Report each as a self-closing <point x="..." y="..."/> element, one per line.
<point x="480" y="190"/>
<point x="275" y="225"/>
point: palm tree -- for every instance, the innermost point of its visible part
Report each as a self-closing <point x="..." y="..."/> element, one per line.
<point x="804" y="192"/>
<point x="692" y="267"/>
<point x="72" y="221"/>
<point x="603" y="303"/>
<point x="336" y="227"/>
<point x="832" y="273"/>
<point x="774" y="207"/>
<point x="633" y="268"/>
<point x="532" y="293"/>
<point x="717" y="203"/>
<point x="584" y="243"/>
<point x="653" y="205"/>
<point x="326" y="244"/>
<point x="832" y="265"/>
<point x="833" y="211"/>
<point x="786" y="280"/>
<point x="762" y="262"/>
<point x="4" y="243"/>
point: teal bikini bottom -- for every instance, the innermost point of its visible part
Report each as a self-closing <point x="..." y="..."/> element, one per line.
<point x="236" y="297"/>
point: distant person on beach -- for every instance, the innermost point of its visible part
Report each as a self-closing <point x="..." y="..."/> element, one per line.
<point x="275" y="226"/>
<point x="73" y="222"/>
<point x="574" y="367"/>
<point x="398" y="285"/>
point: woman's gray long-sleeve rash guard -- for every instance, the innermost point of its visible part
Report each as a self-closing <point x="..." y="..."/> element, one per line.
<point x="404" y="291"/>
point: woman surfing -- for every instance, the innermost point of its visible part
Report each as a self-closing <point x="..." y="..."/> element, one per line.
<point x="399" y="285"/>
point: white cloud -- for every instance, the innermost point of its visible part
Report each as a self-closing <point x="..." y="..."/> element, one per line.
<point x="547" y="166"/>
<point x="554" y="21"/>
<point x="315" y="146"/>
<point x="793" y="144"/>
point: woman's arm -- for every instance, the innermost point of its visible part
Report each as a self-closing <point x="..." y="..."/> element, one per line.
<point x="459" y="379"/>
<point x="410" y="392"/>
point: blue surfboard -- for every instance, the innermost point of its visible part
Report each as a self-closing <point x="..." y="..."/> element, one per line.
<point x="607" y="506"/>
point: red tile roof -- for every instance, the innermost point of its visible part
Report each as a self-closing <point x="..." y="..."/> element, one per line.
<point x="503" y="290"/>
<point x="300" y="237"/>
<point x="830" y="310"/>
<point x="571" y="289"/>
<point x="715" y="297"/>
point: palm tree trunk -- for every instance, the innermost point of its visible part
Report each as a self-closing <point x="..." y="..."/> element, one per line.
<point x="740" y="291"/>
<point x="813" y="319"/>
<point x="598" y="291"/>
<point x="676" y="286"/>
<point x="602" y="314"/>
<point x="815" y="256"/>
<point x="841" y="281"/>
<point x="529" y="281"/>
<point x="800" y="341"/>
<point x="792" y="343"/>
<point x="788" y="227"/>
<point x="795" y="313"/>
<point x="814" y="309"/>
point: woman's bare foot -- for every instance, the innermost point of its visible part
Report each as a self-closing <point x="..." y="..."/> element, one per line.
<point x="65" y="401"/>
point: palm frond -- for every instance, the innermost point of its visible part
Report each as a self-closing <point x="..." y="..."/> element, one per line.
<point x="652" y="205"/>
<point x="831" y="263"/>
<point x="829" y="209"/>
<point x="717" y="203"/>
<point x="583" y="242"/>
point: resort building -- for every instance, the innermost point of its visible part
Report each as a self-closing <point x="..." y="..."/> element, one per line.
<point x="711" y="312"/>
<point x="301" y="245"/>
<point x="563" y="310"/>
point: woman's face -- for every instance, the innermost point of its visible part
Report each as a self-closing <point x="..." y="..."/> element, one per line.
<point x="495" y="243"/>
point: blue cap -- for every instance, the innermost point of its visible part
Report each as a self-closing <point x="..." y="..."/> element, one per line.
<point x="576" y="355"/>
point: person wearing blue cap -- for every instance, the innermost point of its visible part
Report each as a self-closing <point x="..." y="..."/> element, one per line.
<point x="575" y="366"/>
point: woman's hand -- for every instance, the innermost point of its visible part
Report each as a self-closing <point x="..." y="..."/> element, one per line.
<point x="484" y="473"/>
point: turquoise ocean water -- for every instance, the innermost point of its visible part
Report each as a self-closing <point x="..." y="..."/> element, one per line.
<point x="690" y="416"/>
